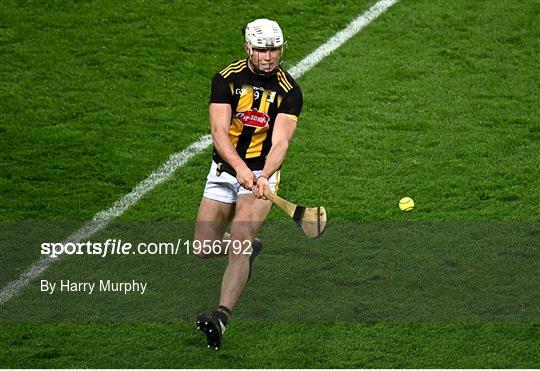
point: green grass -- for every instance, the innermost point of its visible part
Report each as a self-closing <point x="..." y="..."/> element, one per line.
<point x="434" y="100"/>
<point x="408" y="272"/>
<point x="176" y="345"/>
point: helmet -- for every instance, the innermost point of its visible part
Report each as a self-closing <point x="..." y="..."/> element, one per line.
<point x="263" y="33"/>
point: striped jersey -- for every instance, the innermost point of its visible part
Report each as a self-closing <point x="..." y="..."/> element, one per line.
<point x="255" y="102"/>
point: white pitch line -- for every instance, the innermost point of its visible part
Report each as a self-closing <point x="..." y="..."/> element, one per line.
<point x="103" y="218"/>
<point x="179" y="159"/>
<point x="341" y="37"/>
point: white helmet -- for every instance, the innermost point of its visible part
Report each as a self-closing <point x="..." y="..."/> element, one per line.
<point x="263" y="33"/>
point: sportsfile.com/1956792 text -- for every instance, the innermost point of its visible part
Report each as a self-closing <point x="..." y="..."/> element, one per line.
<point x="119" y="247"/>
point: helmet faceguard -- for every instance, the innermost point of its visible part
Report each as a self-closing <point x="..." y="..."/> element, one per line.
<point x="264" y="34"/>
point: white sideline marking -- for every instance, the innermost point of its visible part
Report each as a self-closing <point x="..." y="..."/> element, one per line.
<point x="179" y="159"/>
<point x="339" y="39"/>
<point x="103" y="218"/>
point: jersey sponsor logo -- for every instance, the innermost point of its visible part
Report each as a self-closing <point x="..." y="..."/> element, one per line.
<point x="253" y="117"/>
<point x="239" y="91"/>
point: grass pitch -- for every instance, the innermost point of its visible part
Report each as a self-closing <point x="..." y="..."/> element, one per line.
<point x="433" y="100"/>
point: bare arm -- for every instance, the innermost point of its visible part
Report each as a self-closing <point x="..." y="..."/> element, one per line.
<point x="220" y="120"/>
<point x="284" y="128"/>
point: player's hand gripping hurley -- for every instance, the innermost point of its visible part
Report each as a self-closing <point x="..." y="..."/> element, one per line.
<point x="312" y="220"/>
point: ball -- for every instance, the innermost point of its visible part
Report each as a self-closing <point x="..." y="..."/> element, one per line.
<point x="406" y="204"/>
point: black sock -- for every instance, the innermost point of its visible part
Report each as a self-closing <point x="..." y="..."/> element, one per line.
<point x="223" y="313"/>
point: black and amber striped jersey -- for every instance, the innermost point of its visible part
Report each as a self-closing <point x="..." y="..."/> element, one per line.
<point x="255" y="102"/>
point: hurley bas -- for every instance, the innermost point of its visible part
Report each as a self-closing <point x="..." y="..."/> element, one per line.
<point x="90" y="287"/>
